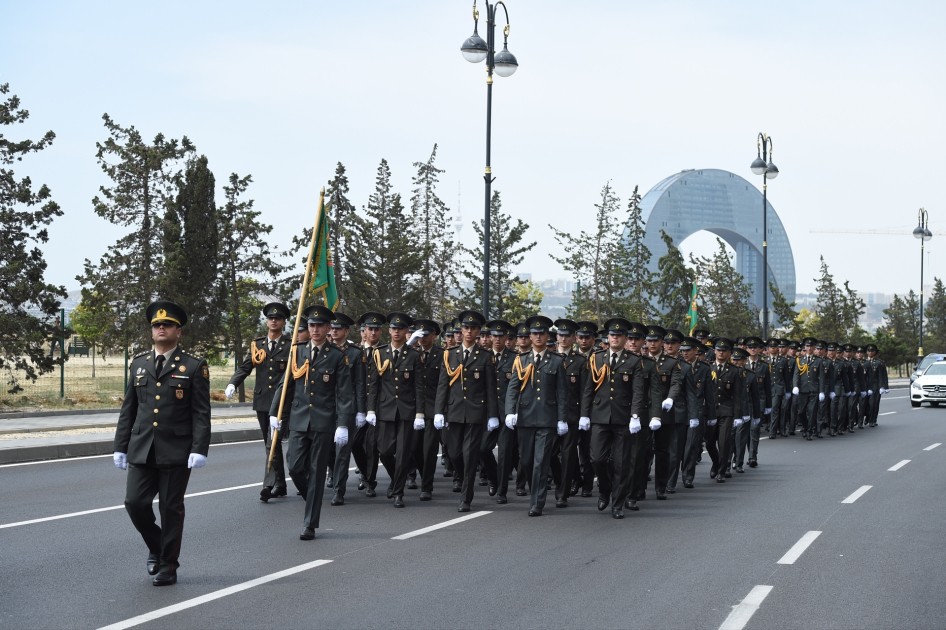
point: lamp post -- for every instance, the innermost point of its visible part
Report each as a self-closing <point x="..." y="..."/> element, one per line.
<point x="475" y="50"/>
<point x="922" y="232"/>
<point x="763" y="165"/>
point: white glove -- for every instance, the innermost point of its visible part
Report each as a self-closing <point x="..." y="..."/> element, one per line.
<point x="883" y="391"/>
<point x="788" y="395"/>
<point x="417" y="334"/>
<point x="584" y="424"/>
<point x="756" y="421"/>
<point x="667" y="404"/>
<point x="341" y="435"/>
<point x="120" y="459"/>
<point x="694" y="423"/>
<point x="820" y="396"/>
<point x="359" y="420"/>
<point x="870" y="392"/>
<point x="419" y="424"/>
<point x="371" y="418"/>
<point x="228" y="392"/>
<point x="863" y="394"/>
<point x="654" y="424"/>
<point x="274" y="423"/>
<point x="832" y="395"/>
<point x="562" y="428"/>
<point x="711" y="423"/>
<point x="438" y="421"/>
<point x="196" y="460"/>
<point x="492" y="424"/>
<point x="737" y="422"/>
<point x="795" y="391"/>
<point x="767" y="411"/>
<point x="635" y="425"/>
<point x="511" y="420"/>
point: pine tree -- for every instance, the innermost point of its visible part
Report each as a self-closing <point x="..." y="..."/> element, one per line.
<point x="674" y="285"/>
<point x="725" y="295"/>
<point x="145" y="179"/>
<point x="838" y="310"/>
<point x="785" y="314"/>
<point x="29" y="304"/>
<point x="342" y="222"/>
<point x="631" y="259"/>
<point x="934" y="311"/>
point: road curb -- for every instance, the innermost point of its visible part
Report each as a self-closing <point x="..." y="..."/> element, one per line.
<point x="16" y="415"/>
<point x="102" y="447"/>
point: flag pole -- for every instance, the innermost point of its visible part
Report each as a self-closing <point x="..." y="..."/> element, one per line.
<point x="295" y="328"/>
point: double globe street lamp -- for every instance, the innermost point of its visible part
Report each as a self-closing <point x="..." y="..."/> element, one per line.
<point x="475" y="49"/>
<point x="922" y="232"/>
<point x="763" y="165"/>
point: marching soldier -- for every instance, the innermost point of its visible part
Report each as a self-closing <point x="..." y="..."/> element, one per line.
<point x="269" y="356"/>
<point x="396" y="402"/>
<point x="466" y="398"/>
<point x="585" y="338"/>
<point x="427" y="442"/>
<point x="824" y="405"/>
<point x="365" y="446"/>
<point x="577" y="394"/>
<point x="642" y="442"/>
<point x="341" y="326"/>
<point x="808" y="383"/>
<point x="730" y="403"/>
<point x="535" y="403"/>
<point x="163" y="432"/>
<point x="320" y="408"/>
<point x="752" y="410"/>
<point x="669" y="378"/>
<point x="504" y="438"/>
<point x="837" y="390"/>
<point x="857" y="386"/>
<point x="878" y="384"/>
<point x="702" y="381"/>
<point x="781" y="387"/>
<point x="685" y="408"/>
<point x="761" y="371"/>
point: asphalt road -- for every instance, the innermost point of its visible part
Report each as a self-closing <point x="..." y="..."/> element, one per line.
<point x="689" y="562"/>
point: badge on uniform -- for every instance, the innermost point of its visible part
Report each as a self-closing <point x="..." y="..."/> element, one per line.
<point x="626" y="377"/>
<point x="508" y="376"/>
<point x="182" y="369"/>
<point x="574" y="378"/>
<point x="205" y="372"/>
<point x="407" y="376"/>
<point x="179" y="393"/>
<point x="476" y="375"/>
<point x="326" y="377"/>
<point x="663" y="378"/>
<point x="728" y="386"/>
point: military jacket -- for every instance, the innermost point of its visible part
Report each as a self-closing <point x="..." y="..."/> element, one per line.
<point x="670" y="382"/>
<point x="781" y="376"/>
<point x="689" y="404"/>
<point x="396" y="388"/>
<point x="504" y="365"/>
<point x="809" y="377"/>
<point x="321" y="396"/>
<point x="618" y="393"/>
<point x="761" y="372"/>
<point x="730" y="391"/>
<point x="753" y="399"/>
<point x="432" y="360"/>
<point x="578" y="390"/>
<point x="536" y="391"/>
<point x="269" y="366"/>
<point x="357" y="363"/>
<point x="169" y="411"/>
<point x="858" y="377"/>
<point x="466" y="391"/>
<point x="704" y="388"/>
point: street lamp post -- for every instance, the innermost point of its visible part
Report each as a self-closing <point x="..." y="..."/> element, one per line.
<point x="763" y="165"/>
<point x="922" y="232"/>
<point x="475" y="50"/>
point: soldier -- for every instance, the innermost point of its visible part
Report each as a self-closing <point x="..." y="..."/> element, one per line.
<point x="836" y="390"/>
<point x="642" y="452"/>
<point x="781" y="387"/>
<point x="808" y="383"/>
<point x="466" y="394"/>
<point x="396" y="402"/>
<point x="857" y="386"/>
<point x="340" y="327"/>
<point x="669" y="378"/>
<point x="497" y="472"/>
<point x="523" y="342"/>
<point x="321" y="406"/>
<point x="427" y="442"/>
<point x="702" y="380"/>
<point x="585" y="338"/>
<point x="878" y="385"/>
<point x="824" y="405"/>
<point x="269" y="356"/>
<point x="704" y="337"/>
<point x="618" y="401"/>
<point x="752" y="410"/>
<point x="761" y="371"/>
<point x="577" y="394"/>
<point x="365" y="446"/>
<point x="535" y="403"/>
<point x="730" y="403"/>
<point x="163" y="432"/>
<point x="685" y="408"/>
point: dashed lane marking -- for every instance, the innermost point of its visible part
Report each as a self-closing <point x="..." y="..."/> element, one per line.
<point x="898" y="465"/>
<point x="932" y="446"/>
<point x="743" y="611"/>
<point x="799" y="548"/>
<point x="425" y="530"/>
<point x="857" y="494"/>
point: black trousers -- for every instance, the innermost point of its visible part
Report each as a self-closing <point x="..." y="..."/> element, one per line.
<point x="535" y="445"/>
<point x="507" y="456"/>
<point x="341" y="463"/>
<point x="611" y="458"/>
<point x="394" y="448"/>
<point x="662" y="438"/>
<point x="487" y="459"/>
<point x="779" y="415"/>
<point x="711" y="439"/>
<point x="309" y="458"/>
<point x="426" y="445"/>
<point x="463" y="441"/>
<point x="170" y="485"/>
<point x="641" y="453"/>
<point x="808" y="412"/>
<point x="678" y="442"/>
<point x="693" y="449"/>
<point x="274" y="477"/>
<point x="584" y="461"/>
<point x="364" y="449"/>
<point x="568" y="457"/>
<point x="724" y="439"/>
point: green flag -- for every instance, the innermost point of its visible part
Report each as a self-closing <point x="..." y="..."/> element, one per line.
<point x="324" y="281"/>
<point x="694" y="315"/>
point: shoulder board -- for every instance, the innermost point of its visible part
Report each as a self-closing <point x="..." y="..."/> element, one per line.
<point x="599" y="351"/>
<point x="557" y="354"/>
<point x="644" y="357"/>
<point x="381" y="346"/>
<point x="301" y="343"/>
<point x="332" y="347"/>
<point x="263" y="338"/>
<point x="141" y="354"/>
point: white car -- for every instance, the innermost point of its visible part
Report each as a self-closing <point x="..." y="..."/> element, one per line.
<point x="931" y="386"/>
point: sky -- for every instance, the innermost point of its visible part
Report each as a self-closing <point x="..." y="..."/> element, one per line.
<point x="629" y="92"/>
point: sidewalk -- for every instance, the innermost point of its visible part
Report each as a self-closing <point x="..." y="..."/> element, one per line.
<point x="27" y="438"/>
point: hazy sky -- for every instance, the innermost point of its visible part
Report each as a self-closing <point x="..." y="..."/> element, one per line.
<point x="627" y="92"/>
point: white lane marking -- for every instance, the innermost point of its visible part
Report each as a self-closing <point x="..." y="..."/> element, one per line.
<point x="886" y="413"/>
<point x="425" y="530"/>
<point x="743" y="611"/>
<point x="798" y="548"/>
<point x="898" y="465"/>
<point x="76" y="459"/>
<point x="894" y="397"/>
<point x="117" y="507"/>
<point x="932" y="446"/>
<point x="857" y="494"/>
<point x="209" y="597"/>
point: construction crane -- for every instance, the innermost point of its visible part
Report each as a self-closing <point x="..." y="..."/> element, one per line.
<point x="877" y="232"/>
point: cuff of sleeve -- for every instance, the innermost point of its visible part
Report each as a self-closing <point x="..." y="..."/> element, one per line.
<point x="418" y="416"/>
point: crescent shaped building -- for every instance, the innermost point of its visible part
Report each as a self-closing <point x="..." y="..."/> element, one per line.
<point x="729" y="206"/>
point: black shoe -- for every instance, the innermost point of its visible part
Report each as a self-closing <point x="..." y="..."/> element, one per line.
<point x="362" y="485"/>
<point x="791" y="433"/>
<point x="603" y="502"/>
<point x="808" y="437"/>
<point x="464" y="507"/>
<point x="753" y="463"/>
<point x="819" y="436"/>
<point x="426" y="496"/>
<point x="535" y="511"/>
<point x="278" y="492"/>
<point x="492" y="491"/>
<point x="521" y="492"/>
<point x="265" y="493"/>
<point x="308" y="533"/>
<point x="412" y="483"/>
<point x="772" y="436"/>
<point x="370" y="492"/>
<point x="739" y="469"/>
<point x="586" y="493"/>
<point x="338" y="500"/>
<point x="152" y="564"/>
<point x="687" y="483"/>
<point x="457" y="485"/>
<point x="484" y="481"/>
<point x="165" y="577"/>
<point x="617" y="512"/>
<point x="328" y="482"/>
<point x="727" y="475"/>
<point x="448" y="473"/>
<point x="719" y="479"/>
<point x="632" y="505"/>
<point x="661" y="494"/>
<point x="398" y="501"/>
<point x="501" y="499"/>
<point x="713" y="473"/>
<point x="561" y="503"/>
<point x="671" y="490"/>
<point x="390" y="492"/>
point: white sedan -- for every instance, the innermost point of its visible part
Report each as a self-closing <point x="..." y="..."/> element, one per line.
<point x="930" y="387"/>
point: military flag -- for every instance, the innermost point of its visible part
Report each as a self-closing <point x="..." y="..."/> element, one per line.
<point x="323" y="283"/>
<point x="693" y="315"/>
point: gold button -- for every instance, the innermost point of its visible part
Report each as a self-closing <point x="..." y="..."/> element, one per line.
<point x="270" y="386"/>
<point x="155" y="423"/>
<point x="157" y="397"/>
<point x="158" y="384"/>
<point x="156" y="411"/>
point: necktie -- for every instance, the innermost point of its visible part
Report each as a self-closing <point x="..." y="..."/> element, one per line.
<point x="158" y="364"/>
<point x="397" y="353"/>
<point x="614" y="360"/>
<point x="272" y="346"/>
<point x="537" y="358"/>
<point x="466" y="355"/>
<point x="315" y="353"/>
